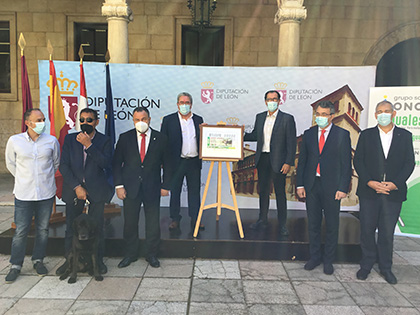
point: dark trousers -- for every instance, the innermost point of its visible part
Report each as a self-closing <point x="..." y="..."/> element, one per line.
<point x="266" y="175"/>
<point x="319" y="203"/>
<point x="381" y="214"/>
<point x="96" y="211"/>
<point x="131" y="224"/>
<point x="190" y="169"/>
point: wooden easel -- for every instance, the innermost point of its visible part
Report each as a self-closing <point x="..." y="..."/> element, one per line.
<point x="219" y="203"/>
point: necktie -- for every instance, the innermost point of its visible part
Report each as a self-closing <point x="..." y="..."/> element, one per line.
<point x="143" y="146"/>
<point x="321" y="146"/>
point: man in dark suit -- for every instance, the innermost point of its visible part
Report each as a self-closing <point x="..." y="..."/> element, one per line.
<point x="138" y="159"/>
<point x="275" y="133"/>
<point x="384" y="160"/>
<point x="85" y="162"/>
<point x="323" y="178"/>
<point x="183" y="132"/>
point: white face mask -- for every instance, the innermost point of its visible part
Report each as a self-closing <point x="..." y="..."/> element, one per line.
<point x="184" y="109"/>
<point x="141" y="126"/>
<point x="384" y="119"/>
<point x="272" y="106"/>
<point x="39" y="127"/>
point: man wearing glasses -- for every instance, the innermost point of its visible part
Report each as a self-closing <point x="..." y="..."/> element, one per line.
<point x="85" y="162"/>
<point x="183" y="132"/>
<point x="323" y="179"/>
<point x="275" y="133"/>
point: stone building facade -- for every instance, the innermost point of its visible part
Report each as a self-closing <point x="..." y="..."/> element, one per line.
<point x="334" y="33"/>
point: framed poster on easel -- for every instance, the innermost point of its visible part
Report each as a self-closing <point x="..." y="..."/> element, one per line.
<point x="220" y="143"/>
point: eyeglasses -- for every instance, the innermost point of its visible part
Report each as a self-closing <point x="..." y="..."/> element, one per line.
<point x="88" y="120"/>
<point x="322" y="114"/>
<point x="272" y="99"/>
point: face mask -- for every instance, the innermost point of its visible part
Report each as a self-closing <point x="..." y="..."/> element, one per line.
<point x="141" y="126"/>
<point x="321" y="121"/>
<point x="184" y="109"/>
<point x="87" y="128"/>
<point x="39" y="127"/>
<point x="384" y="119"/>
<point x="272" y="106"/>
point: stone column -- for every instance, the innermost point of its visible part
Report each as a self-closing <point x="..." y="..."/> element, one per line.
<point x="288" y="16"/>
<point x="118" y="14"/>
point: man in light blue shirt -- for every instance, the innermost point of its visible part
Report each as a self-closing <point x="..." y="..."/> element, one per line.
<point x="33" y="158"/>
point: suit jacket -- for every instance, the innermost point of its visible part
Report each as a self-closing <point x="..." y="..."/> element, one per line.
<point x="334" y="161"/>
<point x="283" y="139"/>
<point x="370" y="162"/>
<point x="171" y="127"/>
<point x="129" y="171"/>
<point x="93" y="174"/>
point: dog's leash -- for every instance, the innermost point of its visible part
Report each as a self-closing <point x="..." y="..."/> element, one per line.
<point x="85" y="207"/>
<point x="87" y="204"/>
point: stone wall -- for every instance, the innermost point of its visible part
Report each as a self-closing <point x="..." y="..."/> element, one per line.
<point x="335" y="33"/>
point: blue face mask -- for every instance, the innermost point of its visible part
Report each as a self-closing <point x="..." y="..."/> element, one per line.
<point x="184" y="109"/>
<point x="384" y="119"/>
<point x="39" y="127"/>
<point x="322" y="122"/>
<point x="272" y="106"/>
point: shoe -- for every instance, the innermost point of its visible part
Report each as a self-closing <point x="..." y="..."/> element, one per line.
<point x="126" y="262"/>
<point x="40" y="268"/>
<point x="389" y="277"/>
<point x="102" y="268"/>
<point x="12" y="275"/>
<point x="283" y="231"/>
<point x="174" y="225"/>
<point x="328" y="269"/>
<point x="311" y="264"/>
<point x="62" y="269"/>
<point x="362" y="274"/>
<point x="259" y="225"/>
<point x="153" y="261"/>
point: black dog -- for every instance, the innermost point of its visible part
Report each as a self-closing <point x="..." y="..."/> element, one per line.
<point x="84" y="245"/>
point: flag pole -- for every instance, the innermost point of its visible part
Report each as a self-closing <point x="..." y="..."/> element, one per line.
<point x="109" y="127"/>
<point x="82" y="103"/>
<point x="26" y="90"/>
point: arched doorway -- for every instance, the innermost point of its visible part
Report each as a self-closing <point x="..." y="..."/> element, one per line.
<point x="400" y="65"/>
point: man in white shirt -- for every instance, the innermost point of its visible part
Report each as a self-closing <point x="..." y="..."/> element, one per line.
<point x="275" y="134"/>
<point x="384" y="160"/>
<point x="32" y="157"/>
<point x="182" y="129"/>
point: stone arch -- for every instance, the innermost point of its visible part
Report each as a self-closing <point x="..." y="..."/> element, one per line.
<point x="390" y="39"/>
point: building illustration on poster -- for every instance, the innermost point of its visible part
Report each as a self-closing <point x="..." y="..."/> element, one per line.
<point x="348" y="112"/>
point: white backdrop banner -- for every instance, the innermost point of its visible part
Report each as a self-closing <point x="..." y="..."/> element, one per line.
<point x="231" y="94"/>
<point x="406" y="101"/>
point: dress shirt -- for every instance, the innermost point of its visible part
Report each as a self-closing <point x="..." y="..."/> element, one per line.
<point x="386" y="139"/>
<point x="85" y="148"/>
<point x="189" y="141"/>
<point x="268" y="130"/>
<point x="327" y="132"/>
<point x="33" y="164"/>
<point x="139" y="140"/>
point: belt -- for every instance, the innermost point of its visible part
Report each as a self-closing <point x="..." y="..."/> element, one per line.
<point x="189" y="158"/>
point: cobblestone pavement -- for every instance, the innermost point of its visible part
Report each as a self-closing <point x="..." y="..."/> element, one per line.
<point x="198" y="286"/>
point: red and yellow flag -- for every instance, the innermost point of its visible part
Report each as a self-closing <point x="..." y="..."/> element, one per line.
<point x="58" y="126"/>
